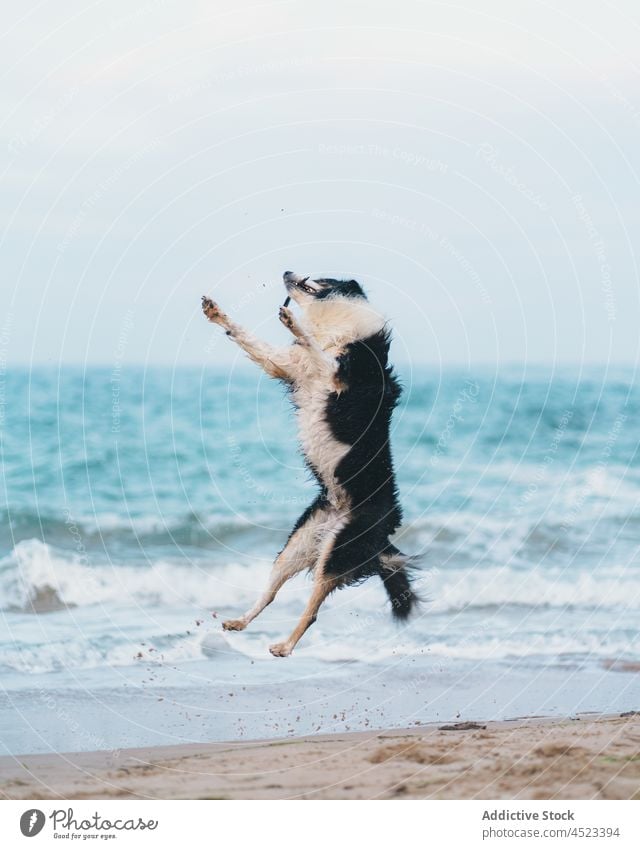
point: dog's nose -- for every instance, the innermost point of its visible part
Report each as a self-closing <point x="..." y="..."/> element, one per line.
<point x="288" y="276"/>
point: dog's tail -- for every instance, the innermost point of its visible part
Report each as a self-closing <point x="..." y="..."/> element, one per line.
<point x="395" y="571"/>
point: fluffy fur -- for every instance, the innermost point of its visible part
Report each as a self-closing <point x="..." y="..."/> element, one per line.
<point x="344" y="392"/>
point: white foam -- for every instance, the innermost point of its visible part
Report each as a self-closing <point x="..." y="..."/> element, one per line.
<point x="34" y="566"/>
<point x="82" y="653"/>
<point x="611" y="587"/>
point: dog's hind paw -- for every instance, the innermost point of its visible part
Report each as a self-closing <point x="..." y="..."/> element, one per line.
<point x="280" y="649"/>
<point x="234" y="625"/>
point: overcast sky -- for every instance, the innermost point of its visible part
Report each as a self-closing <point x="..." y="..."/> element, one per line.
<point x="475" y="165"/>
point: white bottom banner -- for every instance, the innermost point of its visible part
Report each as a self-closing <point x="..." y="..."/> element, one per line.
<point x="299" y="823"/>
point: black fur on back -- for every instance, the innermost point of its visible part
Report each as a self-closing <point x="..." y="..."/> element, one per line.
<point x="360" y="416"/>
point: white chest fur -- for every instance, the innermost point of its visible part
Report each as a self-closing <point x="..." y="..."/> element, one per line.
<point x="333" y="324"/>
<point x="319" y="445"/>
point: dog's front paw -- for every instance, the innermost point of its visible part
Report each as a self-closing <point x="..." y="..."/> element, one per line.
<point x="280" y="649"/>
<point x="288" y="319"/>
<point x="234" y="625"/>
<point x="212" y="311"/>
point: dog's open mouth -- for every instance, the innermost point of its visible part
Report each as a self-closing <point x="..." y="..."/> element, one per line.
<point x="299" y="283"/>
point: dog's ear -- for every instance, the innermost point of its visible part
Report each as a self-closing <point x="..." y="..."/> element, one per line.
<point x="352" y="289"/>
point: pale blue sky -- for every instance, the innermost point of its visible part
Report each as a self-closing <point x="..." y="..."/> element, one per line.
<point x="476" y="169"/>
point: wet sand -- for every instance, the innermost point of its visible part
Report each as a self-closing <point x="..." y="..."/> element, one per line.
<point x="585" y="757"/>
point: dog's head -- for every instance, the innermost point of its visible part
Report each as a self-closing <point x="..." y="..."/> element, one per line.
<point x="336" y="312"/>
<point x="305" y="291"/>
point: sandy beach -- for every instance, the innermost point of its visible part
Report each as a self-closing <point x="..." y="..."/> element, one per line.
<point x="584" y="757"/>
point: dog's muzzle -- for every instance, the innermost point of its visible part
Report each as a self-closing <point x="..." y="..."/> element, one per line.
<point x="290" y="280"/>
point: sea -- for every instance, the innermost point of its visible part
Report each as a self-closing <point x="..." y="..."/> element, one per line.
<point x="140" y="507"/>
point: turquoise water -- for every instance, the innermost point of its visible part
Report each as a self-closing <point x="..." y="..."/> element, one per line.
<point x="139" y="508"/>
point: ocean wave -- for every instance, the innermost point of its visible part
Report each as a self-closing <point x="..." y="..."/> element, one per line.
<point x="503" y="512"/>
<point x="82" y="653"/>
<point x="167" y="612"/>
<point x="611" y="587"/>
<point x="35" y="573"/>
<point x="35" y="577"/>
<point x="68" y="654"/>
<point x="495" y="537"/>
<point x="95" y="531"/>
<point x="560" y="648"/>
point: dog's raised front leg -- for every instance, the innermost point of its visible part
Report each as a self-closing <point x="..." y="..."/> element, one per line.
<point x="322" y="359"/>
<point x="274" y="361"/>
<point x="289" y="320"/>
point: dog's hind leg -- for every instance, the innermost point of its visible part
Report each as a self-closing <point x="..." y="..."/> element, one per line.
<point x="279" y="576"/>
<point x="322" y="587"/>
<point x="299" y="553"/>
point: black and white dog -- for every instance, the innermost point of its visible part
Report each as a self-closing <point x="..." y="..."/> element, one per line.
<point x="344" y="392"/>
